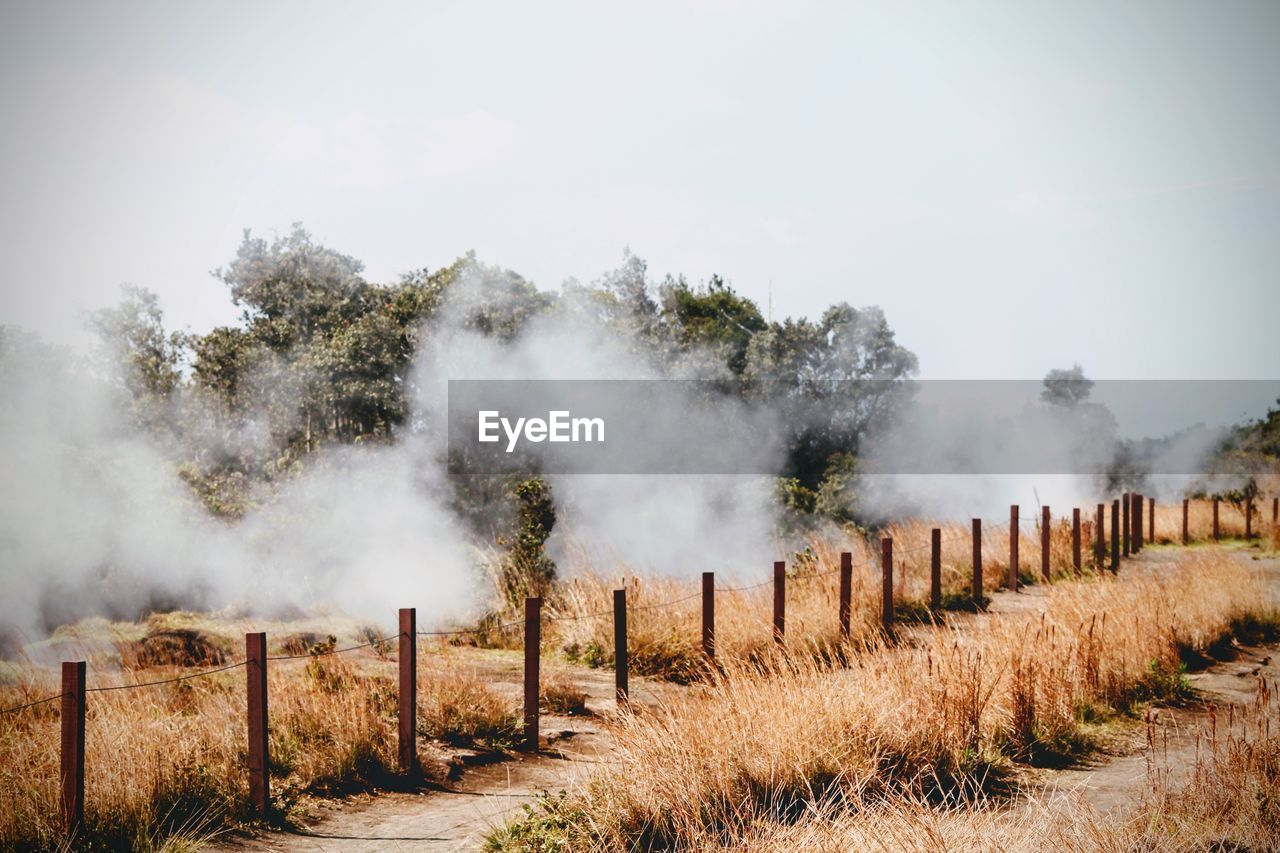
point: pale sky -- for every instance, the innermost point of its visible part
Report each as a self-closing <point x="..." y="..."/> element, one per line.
<point x="1019" y="185"/>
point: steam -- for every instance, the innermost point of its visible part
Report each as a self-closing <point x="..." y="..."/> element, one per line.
<point x="95" y="521"/>
<point x="671" y="524"/>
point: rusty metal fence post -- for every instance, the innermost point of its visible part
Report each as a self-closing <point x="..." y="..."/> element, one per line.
<point x="709" y="615"/>
<point x="1217" y="531"/>
<point x="1044" y="542"/>
<point x="255" y="648"/>
<point x="779" y="602"/>
<point x="977" y="562"/>
<point x="408" y="690"/>
<point x="72" y="769"/>
<point x="1075" y="539"/>
<point x="1115" y="536"/>
<point x="1140" y="528"/>
<point x="886" y="572"/>
<point x="1100" y="539"/>
<point x="532" y="673"/>
<point x="1013" y="547"/>
<point x="1126" y="505"/>
<point x="846" y="594"/>
<point x="935" y="569"/>
<point x="621" y="666"/>
<point x="1151" y="521"/>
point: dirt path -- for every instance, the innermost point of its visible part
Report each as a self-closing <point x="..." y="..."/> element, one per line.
<point x="1167" y="744"/>
<point x="458" y="814"/>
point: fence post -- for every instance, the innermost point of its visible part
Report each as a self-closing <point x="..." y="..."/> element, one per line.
<point x="72" y="746"/>
<point x="935" y="570"/>
<point x="1044" y="542"/>
<point x="1075" y="539"/>
<point x="1186" y="504"/>
<point x="886" y="571"/>
<point x="1275" y="511"/>
<point x="620" y="663"/>
<point x="1217" y="531"/>
<point x="1013" y="547"/>
<point x="1100" y="539"/>
<point x="532" y="663"/>
<point x="709" y="615"/>
<point x="977" y="562"/>
<point x="409" y="690"/>
<point x="846" y="594"/>
<point x="1151" y="521"/>
<point x="255" y="653"/>
<point x="1115" y="536"/>
<point x="1248" y="519"/>
<point x="779" y="602"/>
<point x="1139" y="503"/>
<point x="1126" y="504"/>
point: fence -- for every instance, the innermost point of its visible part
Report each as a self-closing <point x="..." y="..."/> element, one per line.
<point x="1132" y="527"/>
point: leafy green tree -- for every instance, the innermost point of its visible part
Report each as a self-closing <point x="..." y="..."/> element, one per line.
<point x="527" y="570"/>
<point x="296" y="286"/>
<point x="137" y="353"/>
<point x="1067" y="388"/>
<point x="835" y="380"/>
<point x="713" y="317"/>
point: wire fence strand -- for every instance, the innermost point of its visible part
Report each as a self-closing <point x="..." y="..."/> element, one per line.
<point x="187" y="677"/>
<point x="16" y="708"/>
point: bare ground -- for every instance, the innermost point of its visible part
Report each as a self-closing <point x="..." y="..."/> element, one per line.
<point x="487" y="791"/>
<point x="1167" y="741"/>
<point x="456" y="815"/>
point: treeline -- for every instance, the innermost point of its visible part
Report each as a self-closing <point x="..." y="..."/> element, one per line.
<point x="322" y="357"/>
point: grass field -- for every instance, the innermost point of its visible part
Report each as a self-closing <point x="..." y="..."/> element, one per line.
<point x="826" y="741"/>
<point x="938" y="721"/>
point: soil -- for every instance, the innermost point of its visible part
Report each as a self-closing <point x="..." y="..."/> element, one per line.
<point x="457" y="815"/>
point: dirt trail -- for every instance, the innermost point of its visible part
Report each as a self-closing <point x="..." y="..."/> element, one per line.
<point x="1118" y="777"/>
<point x="458" y="814"/>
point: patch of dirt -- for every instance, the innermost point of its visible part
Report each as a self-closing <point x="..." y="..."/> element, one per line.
<point x="183" y="647"/>
<point x="484" y="791"/>
<point x="1165" y="741"/>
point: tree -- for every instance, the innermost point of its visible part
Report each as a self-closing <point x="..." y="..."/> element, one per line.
<point x="1068" y="388"/>
<point x="714" y="317"/>
<point x="527" y="570"/>
<point x="834" y="380"/>
<point x="137" y="354"/>
<point x="294" y="285"/>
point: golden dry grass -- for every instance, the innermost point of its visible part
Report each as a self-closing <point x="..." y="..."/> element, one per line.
<point x="932" y="720"/>
<point x="162" y="758"/>
<point x="666" y="641"/>
<point x="1229" y="800"/>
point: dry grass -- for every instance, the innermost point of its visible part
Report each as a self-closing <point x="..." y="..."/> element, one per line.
<point x="1200" y="521"/>
<point x="934" y="720"/>
<point x="666" y="641"/>
<point x="561" y="694"/>
<point x="1230" y="800"/>
<point x="170" y="759"/>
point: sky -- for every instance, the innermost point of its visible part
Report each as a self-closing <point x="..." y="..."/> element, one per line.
<point x="1020" y="185"/>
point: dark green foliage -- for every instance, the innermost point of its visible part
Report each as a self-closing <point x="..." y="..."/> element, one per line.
<point x="527" y="570"/>
<point x="714" y="317"/>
